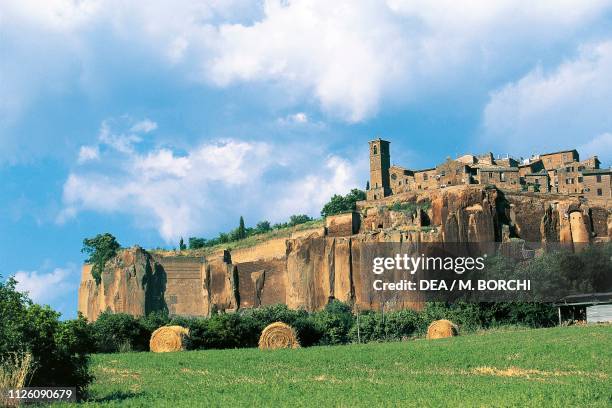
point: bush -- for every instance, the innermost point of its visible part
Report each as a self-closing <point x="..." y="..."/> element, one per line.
<point x="58" y="349"/>
<point x="114" y="332"/>
<point x="374" y="326"/>
<point x="335" y="321"/>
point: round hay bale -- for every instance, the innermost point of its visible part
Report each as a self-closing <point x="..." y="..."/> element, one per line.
<point x="278" y="335"/>
<point x="440" y="329"/>
<point x="168" y="338"/>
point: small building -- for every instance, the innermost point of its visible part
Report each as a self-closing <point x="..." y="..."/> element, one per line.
<point x="503" y="177"/>
<point x="575" y="308"/>
<point x="536" y="182"/>
<point x="569" y="179"/>
<point x="558" y="159"/>
<point x="597" y="183"/>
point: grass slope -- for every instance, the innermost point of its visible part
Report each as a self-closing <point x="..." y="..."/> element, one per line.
<point x="547" y="367"/>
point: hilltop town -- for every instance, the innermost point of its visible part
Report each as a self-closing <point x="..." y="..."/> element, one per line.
<point x="559" y="172"/>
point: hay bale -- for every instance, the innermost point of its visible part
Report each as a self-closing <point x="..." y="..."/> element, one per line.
<point x="168" y="338"/>
<point x="278" y="335"/>
<point x="440" y="329"/>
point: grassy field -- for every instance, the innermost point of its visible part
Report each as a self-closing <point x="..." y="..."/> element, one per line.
<point x="570" y="366"/>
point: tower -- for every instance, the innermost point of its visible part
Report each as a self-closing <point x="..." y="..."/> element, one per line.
<point x="380" y="161"/>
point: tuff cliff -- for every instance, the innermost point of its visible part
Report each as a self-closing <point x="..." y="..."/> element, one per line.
<point x="307" y="269"/>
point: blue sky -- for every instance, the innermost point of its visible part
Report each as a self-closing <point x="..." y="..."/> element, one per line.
<point x="176" y="118"/>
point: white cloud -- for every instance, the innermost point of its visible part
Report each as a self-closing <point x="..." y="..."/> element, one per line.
<point x="144" y="126"/>
<point x="308" y="194"/>
<point x="88" y="153"/>
<point x="565" y="107"/>
<point x="47" y="287"/>
<point x="197" y="190"/>
<point x="350" y="57"/>
<point x="299" y="117"/>
<point x="600" y="145"/>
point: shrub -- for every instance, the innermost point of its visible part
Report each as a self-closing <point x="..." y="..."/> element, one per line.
<point x="58" y="350"/>
<point x="153" y="321"/>
<point x="113" y="332"/>
<point x="335" y="321"/>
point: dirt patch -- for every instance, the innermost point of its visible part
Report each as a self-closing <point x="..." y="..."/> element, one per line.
<point x="531" y="373"/>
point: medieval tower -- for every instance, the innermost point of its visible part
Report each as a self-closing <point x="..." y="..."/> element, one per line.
<point x="380" y="161"/>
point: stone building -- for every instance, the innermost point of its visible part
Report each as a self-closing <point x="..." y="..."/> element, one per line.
<point x="558" y="172"/>
<point x="597" y="183"/>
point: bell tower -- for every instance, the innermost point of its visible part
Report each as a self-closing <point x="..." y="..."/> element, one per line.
<point x="380" y="161"/>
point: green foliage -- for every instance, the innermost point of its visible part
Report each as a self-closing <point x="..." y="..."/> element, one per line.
<point x="115" y="331"/>
<point x="335" y="322"/>
<point x="182" y="245"/>
<point x="100" y="248"/>
<point x="298" y="219"/>
<point x="262" y="227"/>
<point x="339" y="204"/>
<point x="196" y="243"/>
<point x="410" y="207"/>
<point x="241" y="233"/>
<point x="59" y="349"/>
<point x="390" y="326"/>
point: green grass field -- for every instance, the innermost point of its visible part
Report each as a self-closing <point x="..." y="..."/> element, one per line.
<point x="570" y="366"/>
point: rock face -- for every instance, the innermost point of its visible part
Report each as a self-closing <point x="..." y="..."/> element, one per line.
<point x="311" y="267"/>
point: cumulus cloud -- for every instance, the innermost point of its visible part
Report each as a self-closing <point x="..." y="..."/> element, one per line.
<point x="348" y="56"/>
<point x="47" y="287"/>
<point x="196" y="190"/>
<point x="565" y="107"/>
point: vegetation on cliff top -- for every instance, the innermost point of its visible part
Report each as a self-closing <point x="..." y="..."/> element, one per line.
<point x="101" y="249"/>
<point x="339" y="204"/>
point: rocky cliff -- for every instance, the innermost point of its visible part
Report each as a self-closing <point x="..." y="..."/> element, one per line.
<point x="308" y="269"/>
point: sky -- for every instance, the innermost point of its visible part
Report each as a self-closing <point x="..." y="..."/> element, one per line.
<point x="165" y="119"/>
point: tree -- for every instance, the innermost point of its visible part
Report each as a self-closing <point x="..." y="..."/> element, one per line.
<point x="182" y="245"/>
<point x="367" y="185"/>
<point x="100" y="248"/>
<point x="195" y="243"/>
<point x="58" y="349"/>
<point x="241" y="229"/>
<point x="339" y="204"/>
<point x="262" y="226"/>
<point x="298" y="219"/>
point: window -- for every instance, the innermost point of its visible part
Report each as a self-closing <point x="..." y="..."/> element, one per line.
<point x="537" y="181"/>
<point x="599" y="192"/>
<point x="598" y="177"/>
<point x="425" y="176"/>
<point x="490" y="174"/>
<point x="375" y="150"/>
<point x="502" y="176"/>
<point x="580" y="179"/>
